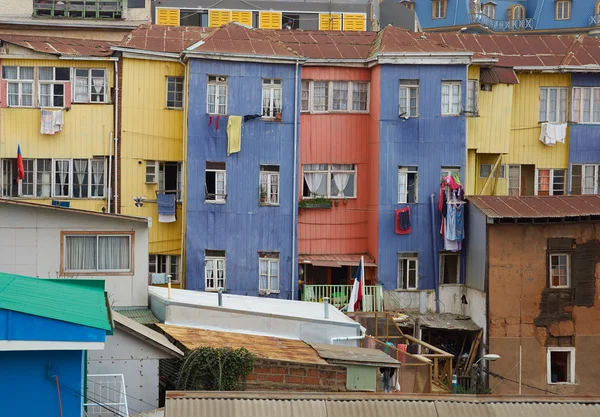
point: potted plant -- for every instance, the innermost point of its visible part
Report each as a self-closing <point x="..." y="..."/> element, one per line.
<point x="278" y="116"/>
<point x="263" y="194"/>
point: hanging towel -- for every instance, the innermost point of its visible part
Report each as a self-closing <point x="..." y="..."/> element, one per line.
<point x="251" y="117"/>
<point x="450" y="232"/>
<point x="58" y="120"/>
<point x="52" y="122"/>
<point x="402" y="223"/>
<point x="166" y="208"/>
<point x="553" y="132"/>
<point x="158" y="279"/>
<point x="459" y="221"/>
<point x="234" y="134"/>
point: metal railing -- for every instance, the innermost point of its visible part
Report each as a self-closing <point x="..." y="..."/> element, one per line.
<point x="502" y="25"/>
<point x="595" y="20"/>
<point x="82" y="9"/>
<point x="339" y="295"/>
<point x="106" y="396"/>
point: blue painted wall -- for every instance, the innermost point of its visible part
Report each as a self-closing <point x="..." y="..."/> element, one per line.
<point x="240" y="227"/>
<point x="21" y="326"/>
<point x="27" y="391"/>
<point x="457" y="13"/>
<point x="584" y="146"/>
<point x="429" y="142"/>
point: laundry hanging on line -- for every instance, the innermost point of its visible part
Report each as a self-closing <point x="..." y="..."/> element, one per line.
<point x="402" y="222"/>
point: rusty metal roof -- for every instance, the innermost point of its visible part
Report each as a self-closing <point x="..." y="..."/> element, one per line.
<point x="395" y="40"/>
<point x="498" y="75"/>
<point x="447" y="321"/>
<point x="61" y="46"/>
<point x="145" y="333"/>
<point x="338" y="354"/>
<point x="170" y="39"/>
<point x="265" y="347"/>
<point x="289" y="404"/>
<point x="533" y="207"/>
<point x="336" y="260"/>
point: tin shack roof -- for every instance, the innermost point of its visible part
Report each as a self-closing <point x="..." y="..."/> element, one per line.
<point x="169" y="39"/>
<point x="61" y="46"/>
<point x="535" y="207"/>
<point x="146" y="334"/>
<point x="346" y="355"/>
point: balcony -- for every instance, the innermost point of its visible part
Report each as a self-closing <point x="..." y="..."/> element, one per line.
<point x="501" y="25"/>
<point x="78" y="9"/>
<point x="106" y="396"/>
<point x="339" y="295"/>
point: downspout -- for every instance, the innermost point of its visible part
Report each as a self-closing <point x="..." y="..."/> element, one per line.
<point x="182" y="283"/>
<point x="109" y="191"/>
<point x="295" y="184"/>
<point x="116" y="139"/>
<point x="436" y="273"/>
<point x="363" y="334"/>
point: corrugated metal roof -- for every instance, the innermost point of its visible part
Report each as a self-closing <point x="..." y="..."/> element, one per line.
<point x="446" y="321"/>
<point x="498" y="75"/>
<point x="266" y="347"/>
<point x="61" y="46"/>
<point x="349" y="354"/>
<point x="535" y="207"/>
<point x="336" y="260"/>
<point x="72" y="301"/>
<point x="146" y="334"/>
<point x="141" y="315"/>
<point x="293" y="404"/>
<point x="171" y="39"/>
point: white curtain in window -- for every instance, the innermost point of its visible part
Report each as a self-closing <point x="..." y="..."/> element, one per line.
<point x="81" y="85"/>
<point x="81" y="166"/>
<point x="98" y="85"/>
<point x="98" y="178"/>
<point x="113" y="253"/>
<point x="341" y="181"/>
<point x="263" y="275"/>
<point x="274" y="275"/>
<point x="209" y="274"/>
<point x="314" y="182"/>
<point x="81" y="253"/>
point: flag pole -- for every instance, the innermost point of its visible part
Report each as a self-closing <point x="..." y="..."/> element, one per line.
<point x="362" y="280"/>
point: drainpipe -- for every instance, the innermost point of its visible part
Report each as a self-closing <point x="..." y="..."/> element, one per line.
<point x="220" y="297"/>
<point x="326" y="307"/>
<point x="295" y="184"/>
<point x="116" y="139"/>
<point x="109" y="190"/>
<point x="363" y="332"/>
<point x="436" y="277"/>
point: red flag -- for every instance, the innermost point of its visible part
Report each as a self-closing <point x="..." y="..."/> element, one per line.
<point x="20" y="167"/>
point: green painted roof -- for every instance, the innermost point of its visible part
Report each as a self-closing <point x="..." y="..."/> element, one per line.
<point x="141" y="315"/>
<point x="70" y="300"/>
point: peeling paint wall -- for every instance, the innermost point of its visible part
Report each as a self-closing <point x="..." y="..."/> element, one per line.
<point x="525" y="315"/>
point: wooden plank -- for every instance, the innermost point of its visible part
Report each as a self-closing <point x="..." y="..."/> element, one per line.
<point x="472" y="353"/>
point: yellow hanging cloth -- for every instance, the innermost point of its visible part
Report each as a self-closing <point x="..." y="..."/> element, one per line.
<point x="234" y="134"/>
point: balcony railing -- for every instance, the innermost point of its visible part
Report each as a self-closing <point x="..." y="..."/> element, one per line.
<point x="79" y="9"/>
<point x="502" y="25"/>
<point x="106" y="396"/>
<point x="339" y="295"/>
<point x="595" y="20"/>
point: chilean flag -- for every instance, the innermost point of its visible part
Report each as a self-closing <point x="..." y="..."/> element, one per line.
<point x="20" y="167"/>
<point x="356" y="295"/>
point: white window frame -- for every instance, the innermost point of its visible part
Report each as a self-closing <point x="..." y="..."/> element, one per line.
<point x="155" y="258"/>
<point x="269" y="177"/>
<point x="545" y="105"/>
<point x="269" y="87"/>
<point x="441" y="260"/>
<point x="97" y="270"/>
<point x="20" y="83"/>
<point x="215" y="260"/>
<point x="409" y="86"/>
<point x="69" y="181"/>
<point x="509" y="178"/>
<point x="152" y="172"/>
<point x="269" y="261"/>
<point x="568" y="266"/>
<point x="6" y="178"/>
<point x="449" y="85"/>
<point x="403" y="172"/>
<point x="172" y="82"/>
<point x="52" y="83"/>
<point x="489" y="9"/>
<point x="571" y="364"/>
<point x="219" y="198"/>
<point x="564" y="12"/>
<point x="329" y="178"/>
<point x="488" y="168"/>
<point x="161" y="177"/>
<point x="329" y="97"/>
<point x="90" y="84"/>
<point x="552" y="180"/>
<point x="579" y="104"/>
<point x="305" y="96"/>
<point x="400" y="282"/>
<point x="472" y="107"/>
<point x="217" y="81"/>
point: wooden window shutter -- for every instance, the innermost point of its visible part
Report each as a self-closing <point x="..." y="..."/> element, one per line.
<point x="218" y="18"/>
<point x="167" y="17"/>
<point x="509" y="13"/>
<point x="355" y="22"/>
<point x="245" y="18"/>
<point x="269" y="20"/>
<point x="330" y="21"/>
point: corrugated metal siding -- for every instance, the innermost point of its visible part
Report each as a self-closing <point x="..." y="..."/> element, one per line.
<point x="476" y="248"/>
<point x="584" y="146"/>
<point x="501" y="187"/>
<point x="429" y="142"/>
<point x="373" y="204"/>
<point x="490" y="131"/>
<point x="240" y="227"/>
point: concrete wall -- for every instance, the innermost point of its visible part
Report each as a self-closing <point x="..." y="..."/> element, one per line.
<point x="31" y="246"/>
<point x="523" y="316"/>
<point x="138" y="362"/>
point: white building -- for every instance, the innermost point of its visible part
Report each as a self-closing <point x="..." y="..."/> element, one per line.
<point x="53" y="242"/>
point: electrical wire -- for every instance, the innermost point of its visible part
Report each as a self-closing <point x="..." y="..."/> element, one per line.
<point x="130" y="396"/>
<point x="503" y="378"/>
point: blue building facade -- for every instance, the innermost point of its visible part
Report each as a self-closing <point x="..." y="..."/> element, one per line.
<point x="242" y="240"/>
<point x="426" y="144"/>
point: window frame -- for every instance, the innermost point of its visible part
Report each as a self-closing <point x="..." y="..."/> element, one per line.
<point x="307" y="91"/>
<point x="508" y="177"/>
<point x="568" y="266"/>
<point x="271" y="87"/>
<point x="400" y="279"/>
<point x="473" y="87"/>
<point x="20" y="83"/>
<point x="564" y="12"/>
<point x="578" y="108"/>
<point x="581" y="181"/>
<point x="551" y="181"/>
<point x="161" y="178"/>
<point x="215" y="260"/>
<point x="329" y="172"/>
<point x="97" y="272"/>
<point x="489" y="6"/>
<point x="458" y="267"/>
<point x="222" y="199"/>
<point x="269" y="174"/>
<point x="451" y="84"/>
<point x="269" y="261"/>
<point x="168" y="262"/>
<point x="90" y="85"/>
<point x="216" y="81"/>
<point x="438" y="9"/>
<point x="501" y="171"/>
<point x="558" y="111"/>
<point x="329" y="99"/>
<point x="52" y="83"/>
<point x="571" y="364"/>
<point x="174" y="81"/>
<point x="409" y="86"/>
<point x="405" y="171"/>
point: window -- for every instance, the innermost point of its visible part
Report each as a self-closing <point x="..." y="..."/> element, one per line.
<point x="90" y="86"/>
<point x="550" y="181"/>
<point x="340" y="95"/>
<point x="269" y="185"/>
<point x="585" y="179"/>
<point x="320" y="102"/>
<point x="271" y="98"/>
<point x="409" y="98"/>
<point x="449" y="268"/>
<point x="585" y="105"/>
<point x="215" y="182"/>
<point x="560" y="364"/>
<point x="97" y="253"/>
<point x="514" y="180"/>
<point x="151" y="172"/>
<point x="174" y="92"/>
<point x="305" y="96"/>
<point x="515" y="12"/>
<point x="472" y="97"/>
<point x="19" y="86"/>
<point x="563" y="10"/>
<point x="52" y="86"/>
<point x="486" y="169"/>
<point x="216" y="102"/>
<point x="407" y="185"/>
<point x="28" y="183"/>
<point x="329" y="180"/>
<point x="214" y="270"/>
<point x="408" y="5"/>
<point x="560" y="270"/>
<point x="360" y="96"/>
<point x="451" y="98"/>
<point x="408" y="271"/>
<point x="438" y="9"/>
<point x="268" y="279"/>
<point x="62" y="178"/>
<point x="489" y="9"/>
<point x="77" y="178"/>
<point x="43" y="177"/>
<point x="165" y="264"/>
<point x="170" y="178"/>
<point x="553" y="104"/>
<point x="9" y="178"/>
